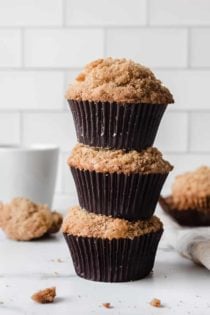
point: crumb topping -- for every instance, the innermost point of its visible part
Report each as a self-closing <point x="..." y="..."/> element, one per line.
<point x="118" y="80"/>
<point x="79" y="222"/>
<point x="155" y="302"/>
<point x="45" y="296"/>
<point x="104" y="160"/>
<point x="23" y="220"/>
<point x="192" y="189"/>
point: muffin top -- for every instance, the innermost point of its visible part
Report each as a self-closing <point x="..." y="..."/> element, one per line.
<point x="103" y="160"/>
<point x="118" y="80"/>
<point x="79" y="222"/>
<point x="189" y="189"/>
<point x="23" y="220"/>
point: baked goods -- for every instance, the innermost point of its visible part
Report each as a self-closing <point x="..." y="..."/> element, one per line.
<point x="45" y="296"/>
<point x="23" y="220"/>
<point x="117" y="103"/>
<point x="118" y="183"/>
<point x="111" y="249"/>
<point x="117" y="106"/>
<point x="189" y="203"/>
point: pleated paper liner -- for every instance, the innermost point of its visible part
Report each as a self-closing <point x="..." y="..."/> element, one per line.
<point x="132" y="197"/>
<point x="116" y="126"/>
<point x="189" y="217"/>
<point x="117" y="260"/>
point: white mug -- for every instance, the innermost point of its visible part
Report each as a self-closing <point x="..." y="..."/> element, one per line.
<point x="28" y="172"/>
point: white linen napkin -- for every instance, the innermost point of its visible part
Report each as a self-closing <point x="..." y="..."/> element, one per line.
<point x="191" y="242"/>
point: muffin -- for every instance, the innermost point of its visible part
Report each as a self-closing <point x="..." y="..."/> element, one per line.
<point x="24" y="220"/>
<point x="109" y="249"/>
<point x="189" y="203"/>
<point x="118" y="183"/>
<point x="117" y="103"/>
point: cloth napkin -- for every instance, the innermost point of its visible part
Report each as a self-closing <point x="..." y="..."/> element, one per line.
<point x="192" y="243"/>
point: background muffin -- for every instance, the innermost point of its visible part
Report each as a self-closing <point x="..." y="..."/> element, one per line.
<point x="189" y="203"/>
<point x="23" y="220"/>
<point x="118" y="183"/>
<point x="117" y="103"/>
<point x="108" y="249"/>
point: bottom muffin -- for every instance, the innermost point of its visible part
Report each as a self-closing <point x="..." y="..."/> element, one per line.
<point x="111" y="249"/>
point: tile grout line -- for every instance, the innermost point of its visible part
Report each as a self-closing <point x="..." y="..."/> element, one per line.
<point x="148" y="13"/>
<point x="22" y="48"/>
<point x="189" y="48"/>
<point x="189" y="132"/>
<point x="64" y="14"/>
<point x="100" y="26"/>
<point x="105" y="34"/>
<point x="75" y="68"/>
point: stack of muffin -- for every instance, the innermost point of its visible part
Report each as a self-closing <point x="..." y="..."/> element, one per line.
<point x="117" y="106"/>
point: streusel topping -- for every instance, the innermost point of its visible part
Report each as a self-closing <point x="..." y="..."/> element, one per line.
<point x="79" y="222"/>
<point x="104" y="160"/>
<point x="192" y="188"/>
<point x="118" y="80"/>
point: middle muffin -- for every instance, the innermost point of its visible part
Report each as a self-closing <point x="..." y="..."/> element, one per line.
<point x="118" y="183"/>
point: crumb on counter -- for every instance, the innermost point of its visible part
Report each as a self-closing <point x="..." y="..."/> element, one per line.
<point x="107" y="305"/>
<point x="45" y="296"/>
<point x="155" y="302"/>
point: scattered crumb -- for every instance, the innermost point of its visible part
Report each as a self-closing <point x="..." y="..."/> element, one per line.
<point x="57" y="260"/>
<point x="56" y="273"/>
<point x="1" y="302"/>
<point x="45" y="296"/>
<point x="155" y="302"/>
<point x="107" y="305"/>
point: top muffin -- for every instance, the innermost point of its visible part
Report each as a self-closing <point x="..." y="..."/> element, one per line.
<point x="118" y="80"/>
<point x="192" y="189"/>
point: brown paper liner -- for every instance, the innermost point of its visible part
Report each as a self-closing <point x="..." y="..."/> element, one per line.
<point x="116" y="260"/>
<point x="116" y="126"/>
<point x="185" y="217"/>
<point x="132" y="197"/>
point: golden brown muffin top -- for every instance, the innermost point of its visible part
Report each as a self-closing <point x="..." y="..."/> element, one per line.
<point x="103" y="160"/>
<point x="190" y="188"/>
<point x="79" y="222"/>
<point x="23" y="220"/>
<point x="118" y="80"/>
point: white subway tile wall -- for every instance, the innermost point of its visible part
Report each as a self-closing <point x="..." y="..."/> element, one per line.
<point x="45" y="43"/>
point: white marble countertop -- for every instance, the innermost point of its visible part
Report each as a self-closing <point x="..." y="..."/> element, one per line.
<point x="26" y="267"/>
